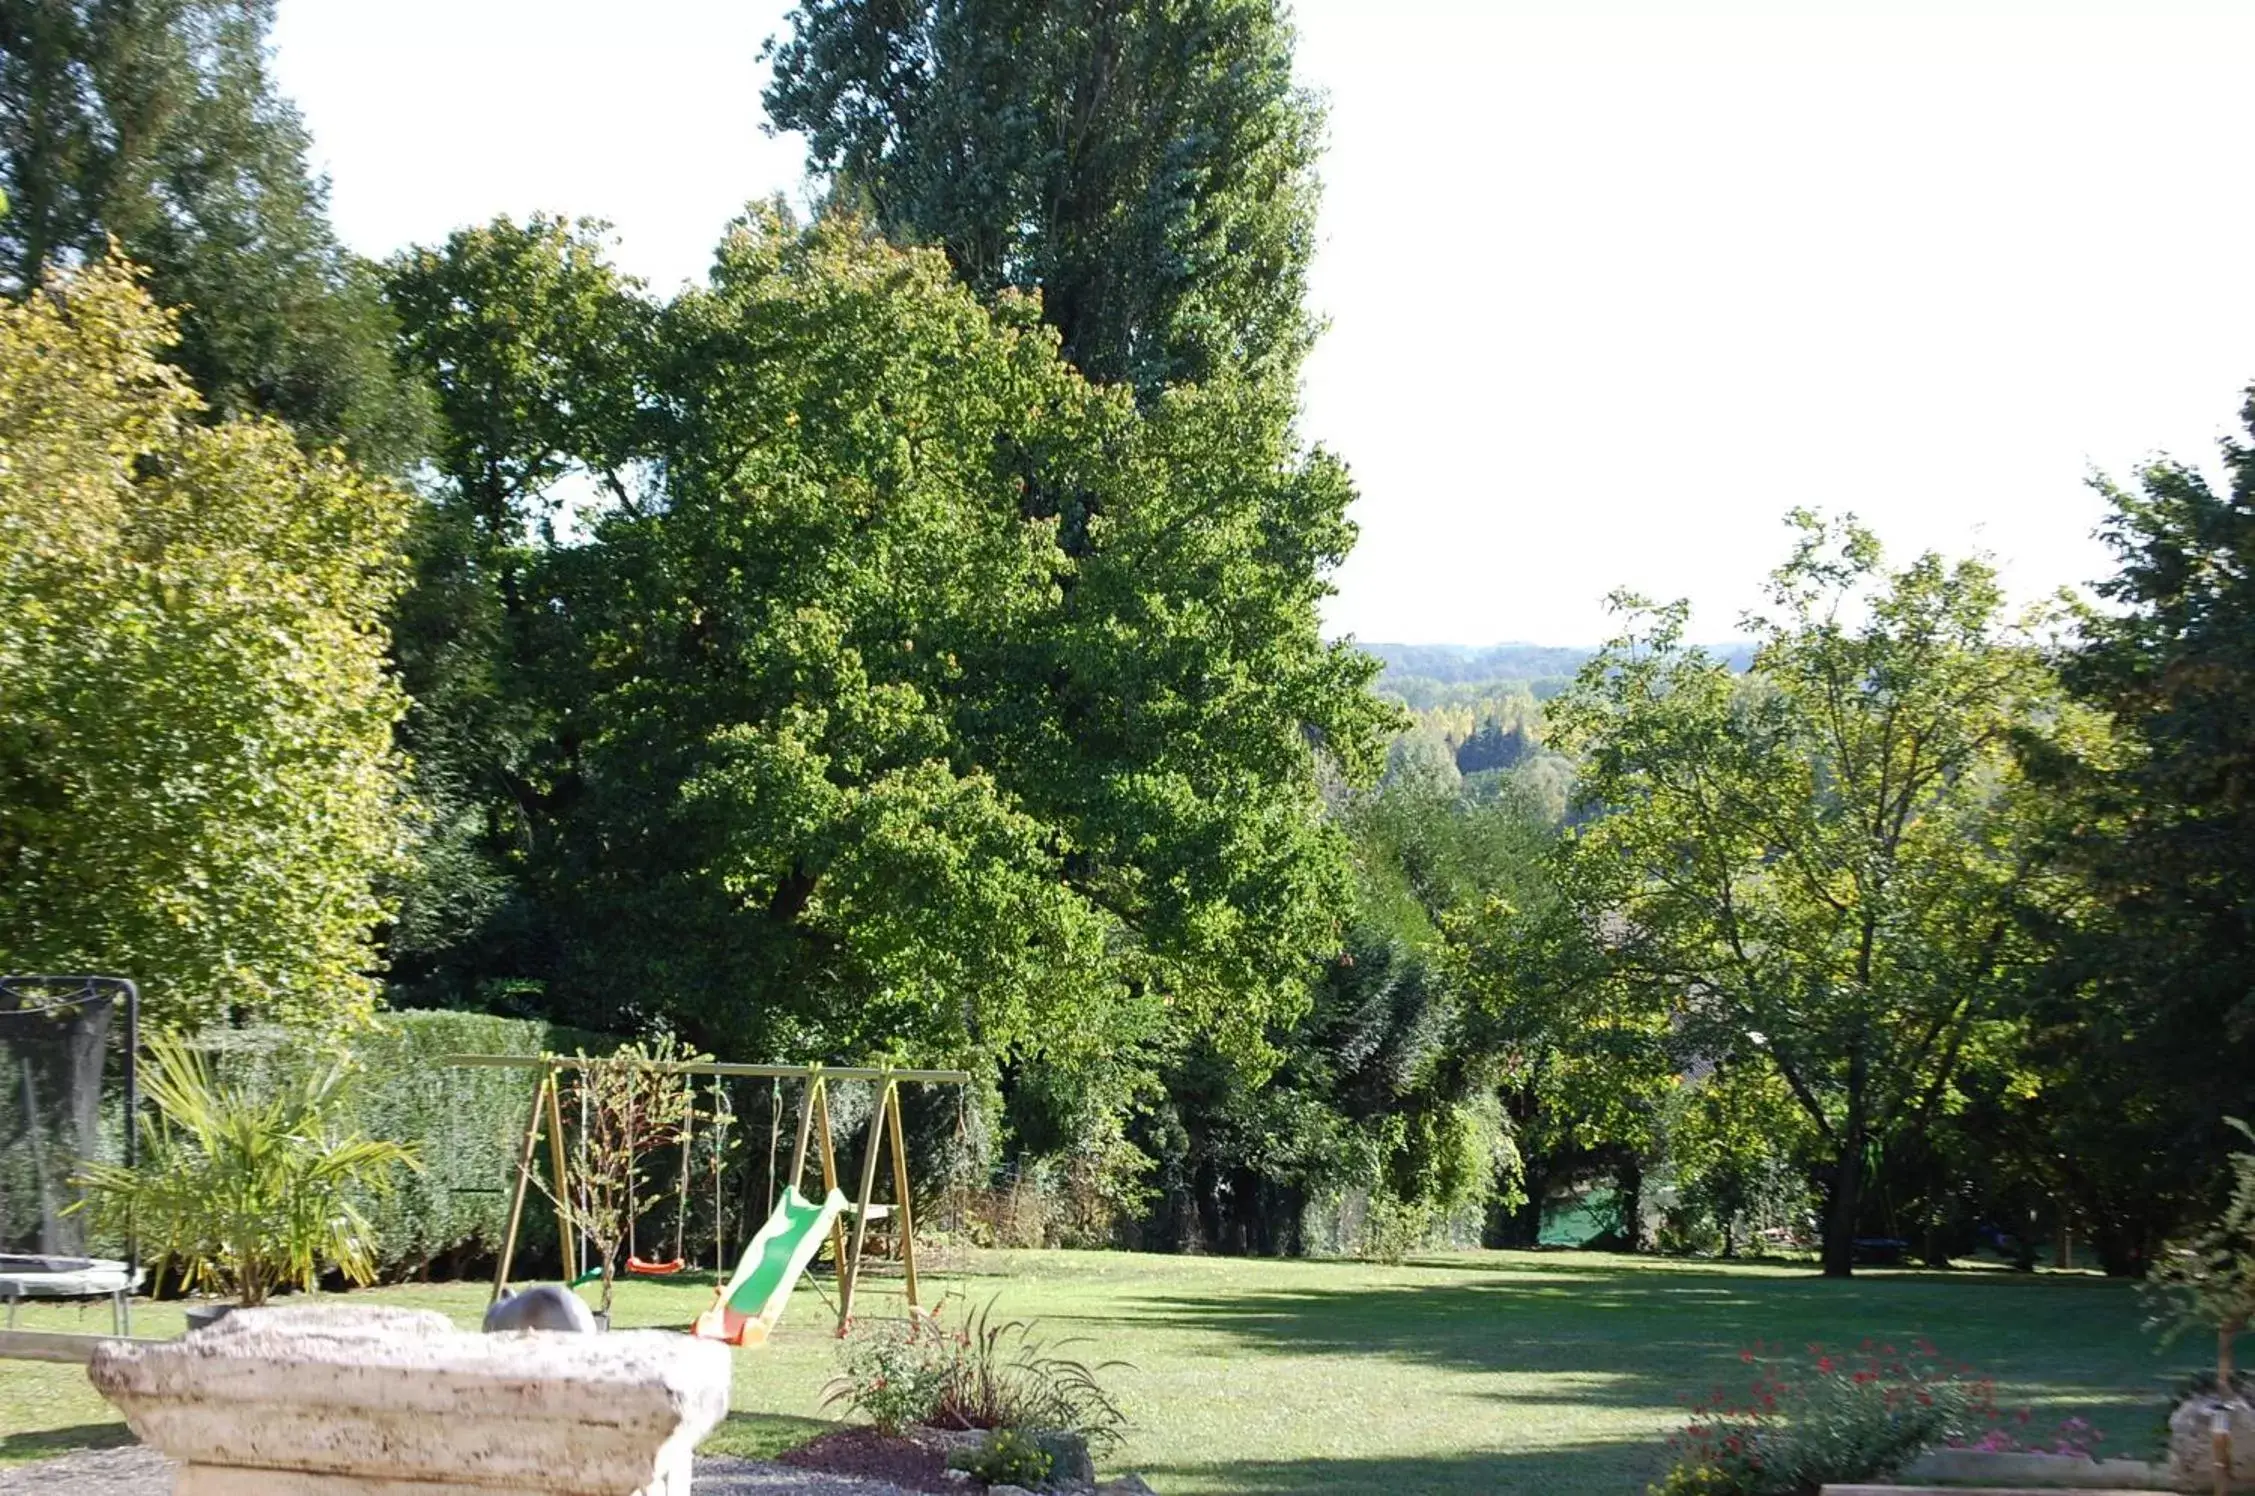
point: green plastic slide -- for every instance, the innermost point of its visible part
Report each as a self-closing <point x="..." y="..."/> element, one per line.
<point x="753" y="1300"/>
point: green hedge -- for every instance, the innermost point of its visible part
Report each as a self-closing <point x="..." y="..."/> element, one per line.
<point x="467" y="1125"/>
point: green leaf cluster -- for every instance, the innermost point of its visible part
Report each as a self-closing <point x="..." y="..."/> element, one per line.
<point x="913" y="695"/>
<point x="197" y="778"/>
<point x="1148" y="168"/>
<point x="1823" y="863"/>
<point x="243" y="1192"/>
<point x="154" y="125"/>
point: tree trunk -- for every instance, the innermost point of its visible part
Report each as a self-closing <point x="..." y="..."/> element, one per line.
<point x="1847" y="1193"/>
<point x="1206" y="1195"/>
<point x="1628" y="1181"/>
<point x="1847" y="1176"/>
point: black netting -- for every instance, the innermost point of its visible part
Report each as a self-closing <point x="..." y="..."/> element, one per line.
<point x="61" y="1039"/>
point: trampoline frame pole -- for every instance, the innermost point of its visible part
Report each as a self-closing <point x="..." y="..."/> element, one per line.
<point x="124" y="1300"/>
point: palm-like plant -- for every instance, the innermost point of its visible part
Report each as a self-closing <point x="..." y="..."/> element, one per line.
<point x="245" y="1192"/>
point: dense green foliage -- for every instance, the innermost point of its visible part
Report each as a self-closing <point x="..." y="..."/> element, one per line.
<point x="197" y="781"/>
<point x="245" y="1190"/>
<point x="918" y="698"/>
<point x="154" y="124"/>
<point x="467" y="1124"/>
<point x="1822" y="862"/>
<point x="1150" y="169"/>
<point x="2145" y="1025"/>
<point x="532" y="346"/>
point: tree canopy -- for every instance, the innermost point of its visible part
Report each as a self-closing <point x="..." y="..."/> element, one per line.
<point x="844" y="745"/>
<point x="1822" y="862"/>
<point x="2146" y="1017"/>
<point x="1149" y="168"/>
<point x="155" y="123"/>
<point x="197" y="783"/>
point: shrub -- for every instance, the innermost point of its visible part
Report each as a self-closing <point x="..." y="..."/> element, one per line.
<point x="1009" y="1458"/>
<point x="246" y="1193"/>
<point x="1835" y="1417"/>
<point x="467" y="1124"/>
<point x="891" y="1372"/>
<point x="982" y="1373"/>
<point x="2208" y="1281"/>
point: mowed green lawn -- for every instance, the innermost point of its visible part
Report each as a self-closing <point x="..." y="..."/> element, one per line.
<point x="1559" y="1373"/>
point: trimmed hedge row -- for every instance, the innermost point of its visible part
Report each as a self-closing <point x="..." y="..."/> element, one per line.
<point x="467" y="1125"/>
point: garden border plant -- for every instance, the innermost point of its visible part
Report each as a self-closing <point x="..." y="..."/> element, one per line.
<point x="1836" y="1416"/>
<point x="980" y="1373"/>
<point x="245" y="1191"/>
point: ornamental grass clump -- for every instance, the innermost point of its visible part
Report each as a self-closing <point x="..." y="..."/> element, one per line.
<point x="977" y="1372"/>
<point x="1832" y="1416"/>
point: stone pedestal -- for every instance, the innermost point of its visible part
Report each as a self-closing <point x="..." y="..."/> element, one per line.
<point x="335" y="1399"/>
<point x="2192" y="1463"/>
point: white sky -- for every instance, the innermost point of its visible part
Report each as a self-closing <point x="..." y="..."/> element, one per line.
<point x="1611" y="284"/>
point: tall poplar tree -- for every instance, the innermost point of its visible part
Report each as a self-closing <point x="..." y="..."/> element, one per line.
<point x="1150" y="168"/>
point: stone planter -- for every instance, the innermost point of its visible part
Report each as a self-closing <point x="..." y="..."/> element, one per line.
<point x="2192" y="1463"/>
<point x="2030" y="1471"/>
<point x="326" y="1400"/>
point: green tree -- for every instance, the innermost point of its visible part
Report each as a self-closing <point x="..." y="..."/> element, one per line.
<point x="2208" y="1281"/>
<point x="843" y="747"/>
<point x="1385" y="1084"/>
<point x="2147" y="1028"/>
<point x="196" y="774"/>
<point x="1733" y="1141"/>
<point x="1587" y="1070"/>
<point x="155" y="123"/>
<point x="1149" y="168"/>
<point x="1825" y="862"/>
<point x="533" y="346"/>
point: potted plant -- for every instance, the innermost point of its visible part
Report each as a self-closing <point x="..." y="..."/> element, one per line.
<point x="2207" y="1282"/>
<point x="245" y="1192"/>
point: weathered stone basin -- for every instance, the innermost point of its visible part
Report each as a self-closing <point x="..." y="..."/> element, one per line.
<point x="329" y="1399"/>
<point x="2192" y="1461"/>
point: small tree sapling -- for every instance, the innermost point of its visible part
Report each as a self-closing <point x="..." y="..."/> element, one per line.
<point x="2208" y="1280"/>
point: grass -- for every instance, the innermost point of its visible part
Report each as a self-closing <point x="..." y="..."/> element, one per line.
<point x="1557" y="1372"/>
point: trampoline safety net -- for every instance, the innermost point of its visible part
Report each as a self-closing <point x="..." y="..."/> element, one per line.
<point x="61" y="1038"/>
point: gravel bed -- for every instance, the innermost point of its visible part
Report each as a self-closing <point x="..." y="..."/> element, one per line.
<point x="139" y="1471"/>
<point x="730" y="1477"/>
<point x="129" y="1470"/>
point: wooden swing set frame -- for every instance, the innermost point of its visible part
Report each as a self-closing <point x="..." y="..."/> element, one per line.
<point x="814" y="1108"/>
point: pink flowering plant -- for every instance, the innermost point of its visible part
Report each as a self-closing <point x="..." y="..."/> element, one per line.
<point x="892" y="1371"/>
<point x="1824" y="1416"/>
<point x="2073" y="1436"/>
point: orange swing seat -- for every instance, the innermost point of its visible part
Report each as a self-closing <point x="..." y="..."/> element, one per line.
<point x="636" y="1267"/>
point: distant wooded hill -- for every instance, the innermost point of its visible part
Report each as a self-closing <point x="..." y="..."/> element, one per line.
<point x="1426" y="675"/>
<point x="1464" y="663"/>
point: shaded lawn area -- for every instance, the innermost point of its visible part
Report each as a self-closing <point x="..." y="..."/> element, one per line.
<point x="1555" y="1372"/>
